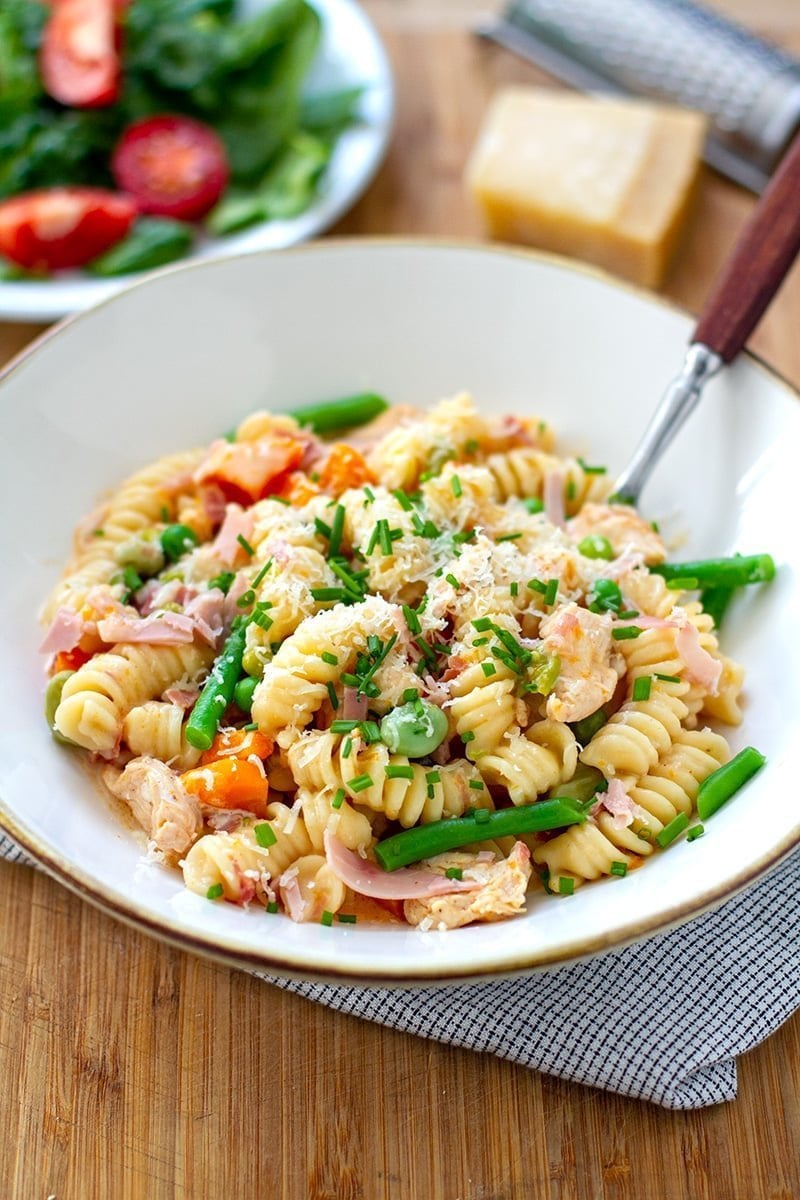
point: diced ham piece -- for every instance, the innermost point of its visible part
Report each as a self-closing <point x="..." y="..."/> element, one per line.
<point x="701" y="667"/>
<point x="181" y="697"/>
<point x="64" y="633"/>
<point x="214" y="503"/>
<point x="368" y="879"/>
<point x="206" y="610"/>
<point x="553" y="496"/>
<point x="354" y="707"/>
<point x="159" y="629"/>
<point x="617" y="802"/>
<point x="237" y="523"/>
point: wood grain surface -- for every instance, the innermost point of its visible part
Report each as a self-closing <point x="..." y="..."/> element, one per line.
<point x="132" y="1071"/>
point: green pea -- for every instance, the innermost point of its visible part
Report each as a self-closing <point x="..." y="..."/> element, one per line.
<point x="596" y="546"/>
<point x="177" y="540"/>
<point x="255" y="659"/>
<point x="414" y="729"/>
<point x="243" y="693"/>
<point x="52" y="699"/>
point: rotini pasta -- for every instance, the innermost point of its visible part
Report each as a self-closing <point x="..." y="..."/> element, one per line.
<point x="288" y="652"/>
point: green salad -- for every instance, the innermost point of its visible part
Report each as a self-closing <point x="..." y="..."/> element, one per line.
<point x="127" y="128"/>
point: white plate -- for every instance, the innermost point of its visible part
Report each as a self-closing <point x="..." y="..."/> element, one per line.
<point x="350" y="54"/>
<point x="172" y="361"/>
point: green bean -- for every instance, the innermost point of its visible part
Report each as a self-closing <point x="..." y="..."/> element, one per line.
<point x="52" y="699"/>
<point x="414" y="729"/>
<point x="217" y="692"/>
<point x="721" y="572"/>
<point x="243" y="693"/>
<point x="596" y="546"/>
<point x="715" y="601"/>
<point x="424" y="841"/>
<point x="177" y="540"/>
<point x="344" y="413"/>
<point x="726" y="781"/>
<point x="586" y="729"/>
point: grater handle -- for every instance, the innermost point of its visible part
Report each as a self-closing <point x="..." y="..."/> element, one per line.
<point x="765" y="251"/>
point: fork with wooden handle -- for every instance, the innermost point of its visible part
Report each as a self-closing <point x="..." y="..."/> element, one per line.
<point x="763" y="254"/>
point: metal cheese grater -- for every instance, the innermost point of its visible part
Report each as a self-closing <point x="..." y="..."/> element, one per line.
<point x="669" y="50"/>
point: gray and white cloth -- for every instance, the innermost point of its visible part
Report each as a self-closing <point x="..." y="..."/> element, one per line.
<point x="662" y="1020"/>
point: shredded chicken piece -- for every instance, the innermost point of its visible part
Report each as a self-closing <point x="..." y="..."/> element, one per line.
<point x="582" y="640"/>
<point x="623" y="527"/>
<point x="501" y="893"/>
<point x="169" y="816"/>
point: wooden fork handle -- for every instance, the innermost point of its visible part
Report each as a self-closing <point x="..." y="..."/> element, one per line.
<point x="766" y="249"/>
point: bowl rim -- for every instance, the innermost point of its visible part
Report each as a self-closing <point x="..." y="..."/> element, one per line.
<point x="297" y="967"/>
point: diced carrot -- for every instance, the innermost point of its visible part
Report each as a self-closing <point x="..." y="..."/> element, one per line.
<point x="238" y="743"/>
<point x="295" y="487"/>
<point x="344" y="468"/>
<point x="245" y="470"/>
<point x="70" y="660"/>
<point x="231" y="783"/>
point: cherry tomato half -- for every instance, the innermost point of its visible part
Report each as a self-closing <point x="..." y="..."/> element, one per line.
<point x="79" y="58"/>
<point x="174" y="166"/>
<point x="62" y="227"/>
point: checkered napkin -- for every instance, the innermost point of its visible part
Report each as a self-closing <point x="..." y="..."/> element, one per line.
<point x="662" y="1020"/>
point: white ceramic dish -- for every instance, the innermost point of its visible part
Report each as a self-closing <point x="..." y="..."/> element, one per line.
<point x="172" y="361"/>
<point x="350" y="55"/>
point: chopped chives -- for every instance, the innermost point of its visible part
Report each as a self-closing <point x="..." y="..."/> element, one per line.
<point x="482" y="624"/>
<point x="334" y="699"/>
<point x="566" y="885"/>
<point x="454" y="873"/>
<point x="471" y="446"/>
<point x="262" y="619"/>
<point x="551" y="591"/>
<point x="619" y="868"/>
<point x="251" y="727"/>
<point x="641" y="687"/>
<point x="373" y="540"/>
<point x="626" y="633"/>
<point x="329" y="658"/>
<point x="451" y="579"/>
<point x="477" y="785"/>
<point x="222" y="581"/>
<point x="347" y="747"/>
<point x="384" y="537"/>
<point x="215" y="891"/>
<point x="246" y="599"/>
<point x="468" y="735"/>
<point x="338" y="799"/>
<point x="337" y="529"/>
<point x="398" y="771"/>
<point x="326" y="918"/>
<point x="488" y="669"/>
<point x="272" y="906"/>
<point x="403" y="500"/>
<point x="514" y="588"/>
<point x="668" y="678"/>
<point x="628" y="614"/>
<point x="347" y="918"/>
<point x="359" y="783"/>
<point x="675" y="827"/>
<point x="726" y="781"/>
<point x="455" y="484"/>
<point x="507" y="537"/>
<point x="481" y="815"/>
<point x="259" y="579"/>
<point x="533" y="504"/>
<point x="481" y="641"/>
<point x="328" y="593"/>
<point x="536" y="585"/>
<point x="371" y="731"/>
<point x="370" y="495"/>
<point x="433" y="777"/>
<point x="572" y="489"/>
<point x="343" y="726"/>
<point x="695" y="832"/>
<point x="590" y="470"/>
<point x="425" y="648"/>
<point x="410" y="694"/>
<point x="264" y="835"/>
<point x="243" y="542"/>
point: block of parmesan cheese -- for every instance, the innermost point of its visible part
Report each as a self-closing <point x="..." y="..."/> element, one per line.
<point x="604" y="180"/>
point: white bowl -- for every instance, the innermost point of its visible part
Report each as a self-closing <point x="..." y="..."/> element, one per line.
<point x="350" y="55"/>
<point x="174" y="360"/>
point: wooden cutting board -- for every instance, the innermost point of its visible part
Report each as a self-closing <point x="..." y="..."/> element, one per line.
<point x="134" y="1072"/>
